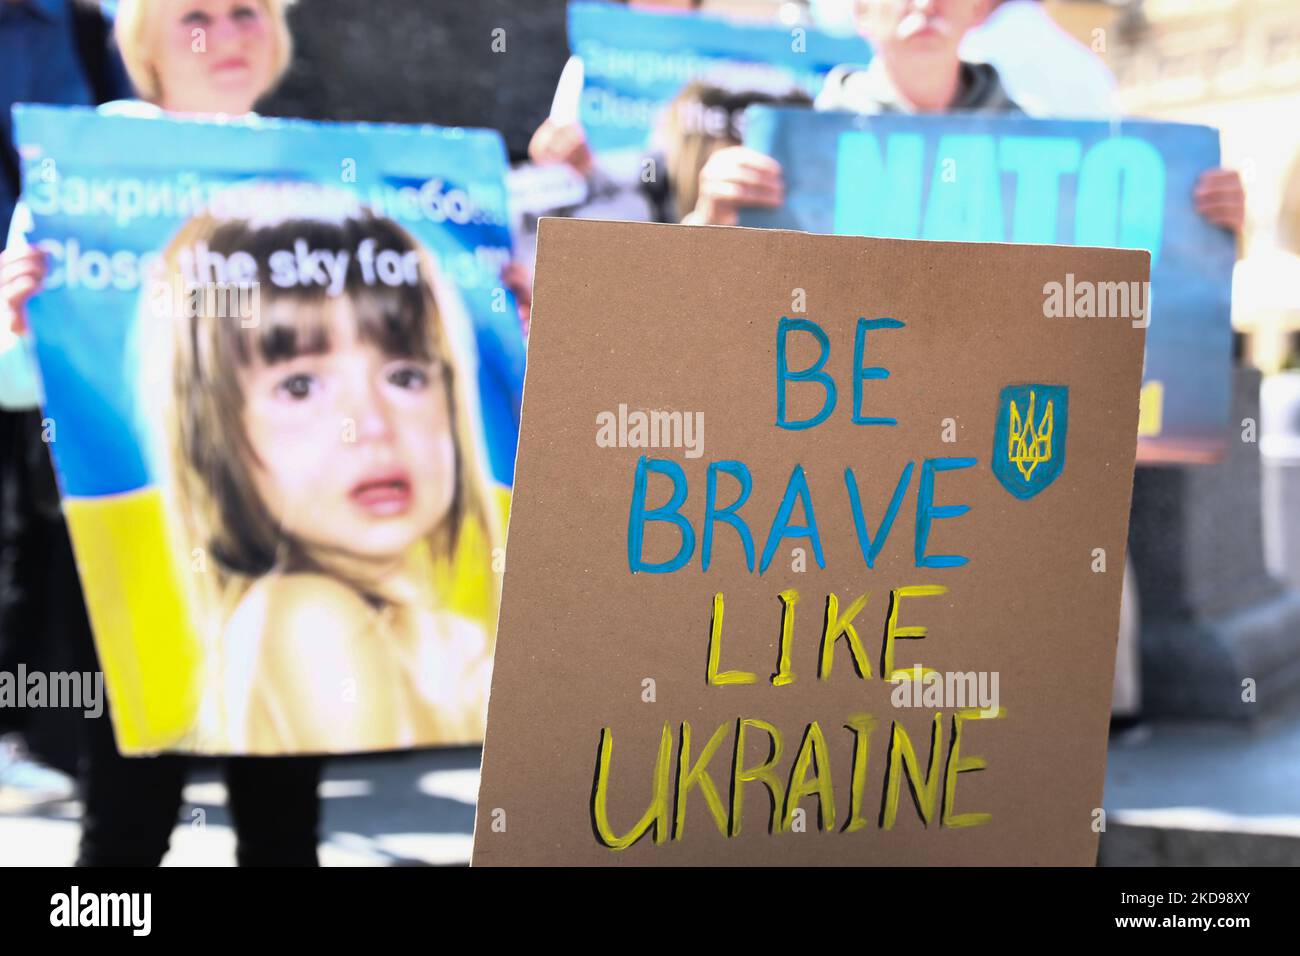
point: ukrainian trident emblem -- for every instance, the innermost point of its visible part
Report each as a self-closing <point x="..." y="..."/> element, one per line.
<point x="1029" y="439"/>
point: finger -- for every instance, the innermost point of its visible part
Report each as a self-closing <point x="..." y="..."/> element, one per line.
<point x="744" y="194"/>
<point x="751" y="159"/>
<point x="17" y="293"/>
<point x="562" y="149"/>
<point x="1219" y="189"/>
<point x="546" y="151"/>
<point x="33" y="257"/>
<point x="1223" y="217"/>
<point x="22" y="272"/>
<point x="564" y="139"/>
<point x="747" y="174"/>
<point x="747" y="177"/>
<point x="1212" y="185"/>
<point x="731" y="186"/>
<point x="567" y="138"/>
<point x="1231" y="225"/>
<point x="1220" y="195"/>
<point x="1219" y="175"/>
<point x="543" y="142"/>
<point x="769" y="172"/>
<point x="574" y="154"/>
<point x="1219" y="206"/>
<point x="750" y="177"/>
<point x="537" y="146"/>
<point x="582" y="160"/>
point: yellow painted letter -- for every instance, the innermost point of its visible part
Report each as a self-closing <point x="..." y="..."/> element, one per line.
<point x="783" y="673"/>
<point x="837" y="625"/>
<point x="656" y="815"/>
<point x="893" y="631"/>
<point x="699" y="773"/>
<point x="715" y="652"/>
<point x="959" y="764"/>
<point x="903" y="756"/>
<point x="812" y="754"/>
<point x="763" y="772"/>
<point x="861" y="725"/>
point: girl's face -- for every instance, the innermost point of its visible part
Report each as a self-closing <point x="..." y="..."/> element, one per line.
<point x="212" y="56"/>
<point x="355" y="452"/>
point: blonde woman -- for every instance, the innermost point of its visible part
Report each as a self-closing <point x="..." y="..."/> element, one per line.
<point x="183" y="57"/>
<point x="205" y="57"/>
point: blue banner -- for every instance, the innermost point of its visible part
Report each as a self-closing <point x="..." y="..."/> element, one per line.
<point x="282" y="386"/>
<point x="1013" y="179"/>
<point x="636" y="61"/>
<point x="100" y="213"/>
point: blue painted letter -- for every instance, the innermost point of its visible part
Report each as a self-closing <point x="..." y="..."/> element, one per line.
<point x="813" y="373"/>
<point x="926" y="510"/>
<point x="797" y="487"/>
<point x="740" y="472"/>
<point x="638" y="516"/>
<point x="860" y="374"/>
<point x="871" y="547"/>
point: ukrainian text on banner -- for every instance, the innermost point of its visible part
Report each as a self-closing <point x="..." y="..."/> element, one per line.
<point x="282" y="387"/>
<point x="1012" y="179"/>
<point x="636" y="61"/>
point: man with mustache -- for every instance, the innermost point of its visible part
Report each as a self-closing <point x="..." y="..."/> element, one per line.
<point x="917" y="69"/>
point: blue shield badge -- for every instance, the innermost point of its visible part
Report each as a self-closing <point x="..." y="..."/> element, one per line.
<point x="1029" y="439"/>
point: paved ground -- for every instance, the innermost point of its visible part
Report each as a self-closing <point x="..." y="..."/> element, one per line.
<point x="396" y="810"/>
<point x="1205" y="794"/>
<point x="1245" y="777"/>
<point x="1175" y="792"/>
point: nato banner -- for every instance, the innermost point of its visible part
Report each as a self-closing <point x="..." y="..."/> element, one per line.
<point x="282" y="383"/>
<point x="1013" y="179"/>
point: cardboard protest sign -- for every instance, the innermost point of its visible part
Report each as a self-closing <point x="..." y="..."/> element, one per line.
<point x="1013" y="179"/>
<point x="636" y="60"/>
<point x="282" y="383"/>
<point x="816" y="553"/>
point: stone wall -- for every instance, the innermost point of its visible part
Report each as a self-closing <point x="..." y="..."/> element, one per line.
<point x="425" y="61"/>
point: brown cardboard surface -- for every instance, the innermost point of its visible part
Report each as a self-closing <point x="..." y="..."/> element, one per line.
<point x="686" y="318"/>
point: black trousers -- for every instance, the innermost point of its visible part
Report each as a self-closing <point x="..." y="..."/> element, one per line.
<point x="29" y="502"/>
<point x="132" y="803"/>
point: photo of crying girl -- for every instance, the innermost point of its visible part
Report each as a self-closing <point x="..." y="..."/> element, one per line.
<point x="324" y="474"/>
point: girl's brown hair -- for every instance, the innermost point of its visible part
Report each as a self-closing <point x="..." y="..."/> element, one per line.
<point x="205" y="451"/>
